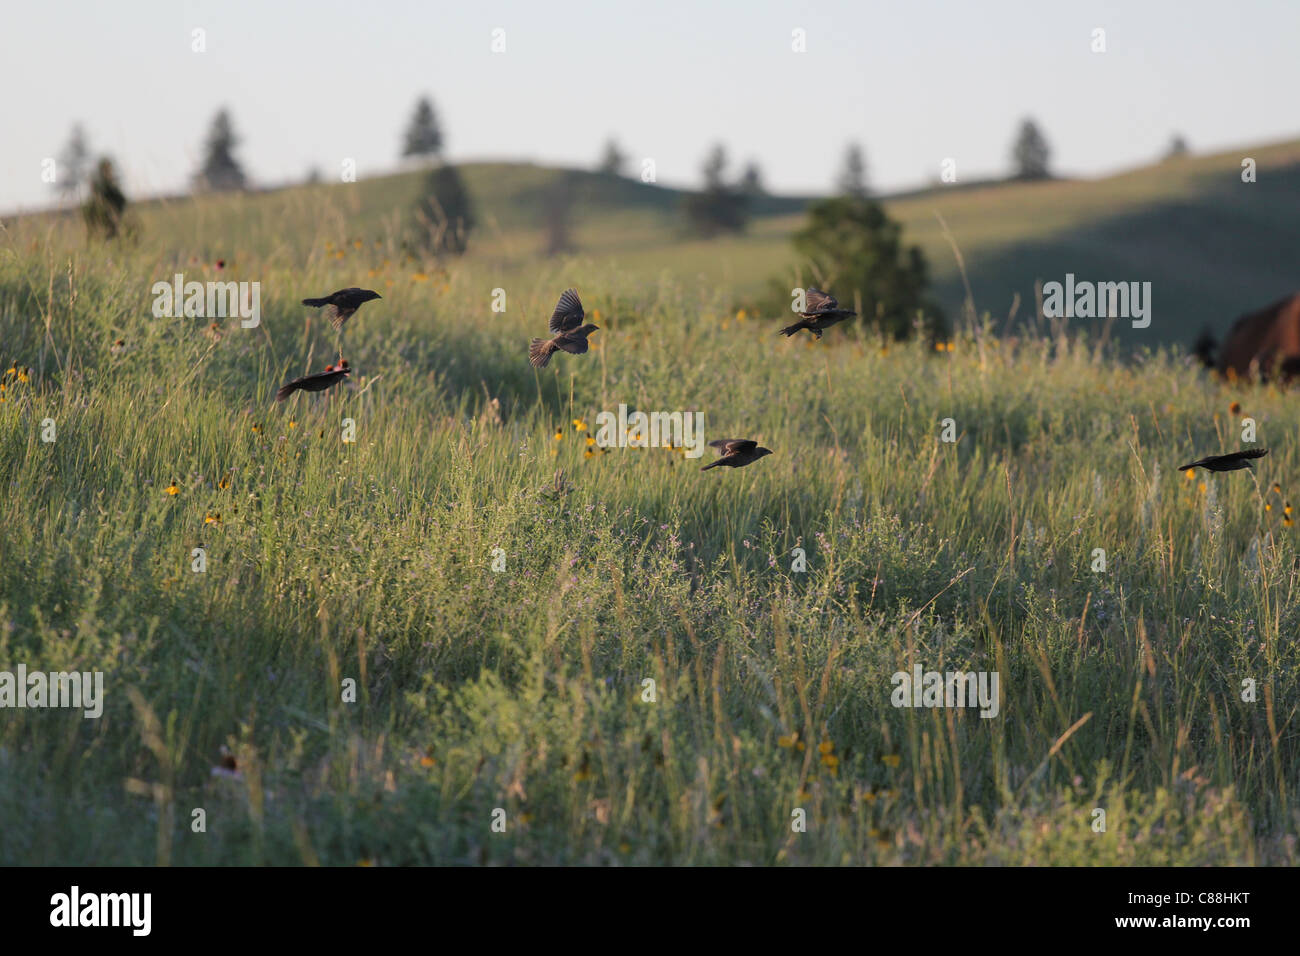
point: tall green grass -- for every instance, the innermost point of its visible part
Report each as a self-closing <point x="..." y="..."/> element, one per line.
<point x="524" y="690"/>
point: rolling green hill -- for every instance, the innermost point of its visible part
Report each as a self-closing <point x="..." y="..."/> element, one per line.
<point x="1212" y="246"/>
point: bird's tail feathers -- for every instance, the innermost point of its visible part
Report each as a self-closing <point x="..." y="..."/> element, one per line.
<point x="712" y="464"/>
<point x="792" y="329"/>
<point x="316" y="303"/>
<point x="285" y="391"/>
<point x="539" y="353"/>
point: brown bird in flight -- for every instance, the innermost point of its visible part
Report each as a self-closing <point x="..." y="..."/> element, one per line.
<point x="316" y="382"/>
<point x="570" y="333"/>
<point x="822" y="311"/>
<point x="341" y="305"/>
<point x="1233" y="462"/>
<point x="736" y="452"/>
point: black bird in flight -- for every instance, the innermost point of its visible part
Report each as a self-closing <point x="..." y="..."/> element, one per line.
<point x="341" y="305"/>
<point x="570" y="333"/>
<point x="1233" y="462"/>
<point x="736" y="452"/>
<point x="822" y="311"/>
<point x="316" y="382"/>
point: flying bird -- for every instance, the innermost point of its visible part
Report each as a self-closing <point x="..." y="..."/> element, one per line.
<point x="1233" y="462"/>
<point x="821" y="312"/>
<point x="736" y="452"/>
<point x="316" y="382"/>
<point x="570" y="333"/>
<point x="341" y="305"/>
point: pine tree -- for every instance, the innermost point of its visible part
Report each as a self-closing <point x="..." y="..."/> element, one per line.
<point x="105" y="208"/>
<point x="715" y="168"/>
<point x="73" y="163"/>
<point x="220" y="170"/>
<point x="751" y="180"/>
<point x="719" y="207"/>
<point x="1030" y="153"/>
<point x="423" y="135"/>
<point x="853" y="178"/>
<point x="612" y="160"/>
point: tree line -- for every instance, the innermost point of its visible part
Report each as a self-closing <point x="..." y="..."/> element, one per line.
<point x="849" y="240"/>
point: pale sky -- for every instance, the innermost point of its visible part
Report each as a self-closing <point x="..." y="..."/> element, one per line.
<point x="914" y="81"/>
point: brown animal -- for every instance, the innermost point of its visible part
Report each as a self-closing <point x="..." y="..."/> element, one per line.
<point x="1259" y="343"/>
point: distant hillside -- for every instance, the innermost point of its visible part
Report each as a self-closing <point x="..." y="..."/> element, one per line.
<point x="1212" y="246"/>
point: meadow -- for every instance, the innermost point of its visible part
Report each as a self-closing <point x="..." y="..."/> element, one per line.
<point x="524" y="690"/>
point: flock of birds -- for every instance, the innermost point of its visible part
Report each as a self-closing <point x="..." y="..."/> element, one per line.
<point x="570" y="331"/>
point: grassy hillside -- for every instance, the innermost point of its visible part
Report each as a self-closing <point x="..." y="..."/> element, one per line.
<point x="1212" y="246"/>
<point x="524" y="689"/>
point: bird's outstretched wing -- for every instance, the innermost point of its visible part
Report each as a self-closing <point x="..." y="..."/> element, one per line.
<point x="1235" y="456"/>
<point x="733" y="446"/>
<point x="315" y="382"/>
<point x="815" y="300"/>
<point x="568" y="314"/>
